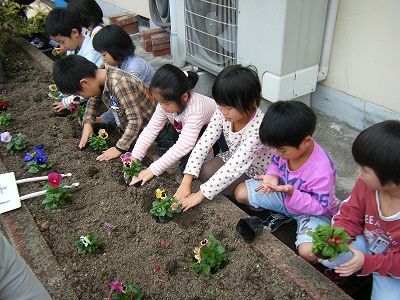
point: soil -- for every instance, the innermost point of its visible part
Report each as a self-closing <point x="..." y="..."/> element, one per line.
<point x="133" y="245"/>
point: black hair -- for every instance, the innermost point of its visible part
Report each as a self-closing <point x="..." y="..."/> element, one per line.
<point x="88" y="12"/>
<point x="115" y="41"/>
<point x="378" y="147"/>
<point x="69" y="71"/>
<point x="61" y="21"/>
<point x="171" y="83"/>
<point x="287" y="123"/>
<point x="238" y="87"/>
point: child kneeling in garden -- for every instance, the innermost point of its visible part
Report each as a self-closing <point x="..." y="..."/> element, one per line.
<point x="371" y="214"/>
<point x="122" y="93"/>
<point x="177" y="123"/>
<point x="300" y="181"/>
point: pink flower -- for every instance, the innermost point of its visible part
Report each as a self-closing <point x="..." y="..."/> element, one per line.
<point x="4" y="92"/>
<point x="73" y="107"/>
<point x="54" y="179"/>
<point x="117" y="286"/>
<point x="5" y="137"/>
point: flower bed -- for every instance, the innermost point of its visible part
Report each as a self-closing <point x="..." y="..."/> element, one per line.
<point x="137" y="249"/>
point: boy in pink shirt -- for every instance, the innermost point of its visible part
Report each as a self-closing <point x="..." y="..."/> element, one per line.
<point x="371" y="214"/>
<point x="300" y="181"/>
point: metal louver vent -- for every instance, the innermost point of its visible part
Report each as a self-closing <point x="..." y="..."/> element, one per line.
<point x="211" y="33"/>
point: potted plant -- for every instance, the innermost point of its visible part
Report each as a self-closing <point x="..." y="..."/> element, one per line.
<point x="329" y="241"/>
<point x="164" y="207"/>
<point x="210" y="255"/>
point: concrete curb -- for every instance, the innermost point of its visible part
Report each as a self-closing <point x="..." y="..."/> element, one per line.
<point x="25" y="235"/>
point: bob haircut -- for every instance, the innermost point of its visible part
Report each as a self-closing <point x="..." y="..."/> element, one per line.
<point x="287" y="123"/>
<point x="69" y="71"/>
<point x="114" y="40"/>
<point x="88" y="12"/>
<point x="378" y="147"/>
<point x="171" y="83"/>
<point x="238" y="87"/>
<point x="61" y="21"/>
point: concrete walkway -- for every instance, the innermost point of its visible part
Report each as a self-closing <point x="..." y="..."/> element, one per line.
<point x="335" y="138"/>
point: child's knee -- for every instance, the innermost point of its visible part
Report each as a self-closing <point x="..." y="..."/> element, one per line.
<point x="241" y="195"/>
<point x="305" y="252"/>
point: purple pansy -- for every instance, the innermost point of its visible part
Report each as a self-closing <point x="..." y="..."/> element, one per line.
<point x="40" y="158"/>
<point x="5" y="137"/>
<point x="4" y="92"/>
<point x="117" y="286"/>
<point x="28" y="156"/>
<point x="38" y="149"/>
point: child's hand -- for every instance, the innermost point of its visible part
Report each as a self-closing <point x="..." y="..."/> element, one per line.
<point x="58" y="106"/>
<point x="111" y="153"/>
<point x="184" y="189"/>
<point x="144" y="176"/>
<point x="192" y="200"/>
<point x="266" y="179"/>
<point x="60" y="50"/>
<point x="287" y="188"/>
<point x="87" y="130"/>
<point x="353" y="265"/>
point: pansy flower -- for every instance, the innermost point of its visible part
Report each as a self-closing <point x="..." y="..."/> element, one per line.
<point x="174" y="206"/>
<point x="197" y="255"/>
<point x="118" y="287"/>
<point x="103" y="134"/>
<point x="204" y="243"/>
<point x="28" y="156"/>
<point x="5" y="137"/>
<point x="3" y="105"/>
<point x="85" y="240"/>
<point x="54" y="179"/>
<point x="73" y="107"/>
<point x="53" y="87"/>
<point x="160" y="194"/>
<point x="40" y="158"/>
<point x="4" y="92"/>
<point x="38" y="149"/>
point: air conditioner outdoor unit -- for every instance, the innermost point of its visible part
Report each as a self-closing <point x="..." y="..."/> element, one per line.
<point x="281" y="38"/>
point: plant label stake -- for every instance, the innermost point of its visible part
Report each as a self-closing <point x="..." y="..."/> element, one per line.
<point x="9" y="196"/>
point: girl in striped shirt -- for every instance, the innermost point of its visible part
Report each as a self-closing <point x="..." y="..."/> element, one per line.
<point x="177" y="122"/>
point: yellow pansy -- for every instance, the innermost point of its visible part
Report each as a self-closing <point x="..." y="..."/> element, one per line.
<point x="103" y="134"/>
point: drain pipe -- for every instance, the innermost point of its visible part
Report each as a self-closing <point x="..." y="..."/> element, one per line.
<point x="328" y="39"/>
<point x="173" y="8"/>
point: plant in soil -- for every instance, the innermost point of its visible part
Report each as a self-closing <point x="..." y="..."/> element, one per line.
<point x="88" y="244"/>
<point x="56" y="193"/>
<point x="121" y="292"/>
<point x="98" y="142"/>
<point x="37" y="160"/>
<point x="5" y="119"/>
<point x="210" y="255"/>
<point x="15" y="143"/>
<point x="329" y="241"/>
<point x="54" y="94"/>
<point x="78" y="107"/>
<point x="130" y="168"/>
<point x="3" y="100"/>
<point x="164" y="206"/>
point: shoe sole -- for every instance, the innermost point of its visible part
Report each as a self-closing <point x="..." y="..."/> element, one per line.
<point x="277" y="227"/>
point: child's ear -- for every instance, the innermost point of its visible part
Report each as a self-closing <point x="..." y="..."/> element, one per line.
<point x="75" y="33"/>
<point x="307" y="141"/>
<point x="84" y="82"/>
<point x="185" y="97"/>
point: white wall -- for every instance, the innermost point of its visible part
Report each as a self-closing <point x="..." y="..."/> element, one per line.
<point x="140" y="7"/>
<point x="365" y="58"/>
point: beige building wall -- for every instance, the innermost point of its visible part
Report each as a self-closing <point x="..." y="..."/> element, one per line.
<point x="140" y="7"/>
<point x="365" y="57"/>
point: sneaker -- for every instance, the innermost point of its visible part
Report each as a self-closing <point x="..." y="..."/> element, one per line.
<point x="274" y="220"/>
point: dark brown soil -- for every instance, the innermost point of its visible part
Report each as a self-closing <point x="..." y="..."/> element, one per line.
<point x="132" y="249"/>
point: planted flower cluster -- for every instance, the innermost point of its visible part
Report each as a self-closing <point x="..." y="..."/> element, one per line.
<point x="165" y="206"/>
<point x="88" y="244"/>
<point x="130" y="168"/>
<point x="37" y="160"/>
<point x="121" y="292"/>
<point x="5" y="118"/>
<point x="209" y="255"/>
<point x="98" y="142"/>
